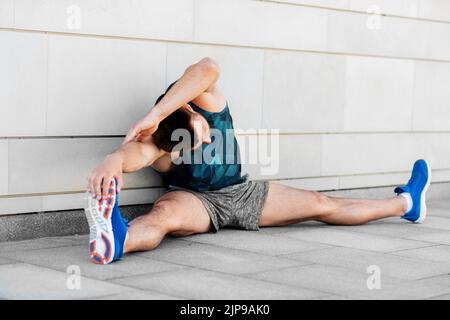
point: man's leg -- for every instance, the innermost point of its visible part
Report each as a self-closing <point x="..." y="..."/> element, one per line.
<point x="178" y="213"/>
<point x="285" y="205"/>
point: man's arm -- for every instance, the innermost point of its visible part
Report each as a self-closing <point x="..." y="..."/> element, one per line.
<point x="197" y="84"/>
<point x="198" y="79"/>
<point x="130" y="157"/>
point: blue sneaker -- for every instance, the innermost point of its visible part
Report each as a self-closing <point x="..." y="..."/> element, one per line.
<point x="108" y="229"/>
<point x="417" y="188"/>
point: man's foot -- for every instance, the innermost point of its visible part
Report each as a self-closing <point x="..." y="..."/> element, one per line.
<point x="415" y="192"/>
<point x="108" y="229"/>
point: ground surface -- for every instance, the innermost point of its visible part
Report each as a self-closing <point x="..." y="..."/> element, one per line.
<point x="303" y="261"/>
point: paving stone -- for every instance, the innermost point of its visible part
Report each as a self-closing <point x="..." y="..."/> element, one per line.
<point x="443" y="204"/>
<point x="307" y="225"/>
<point x="332" y="297"/>
<point x="61" y="258"/>
<point x="359" y="260"/>
<point x="138" y="295"/>
<point x="32" y="244"/>
<point x="6" y="261"/>
<point x="442" y="280"/>
<point x="350" y="283"/>
<point x="396" y="221"/>
<point x="402" y="229"/>
<point x="443" y="297"/>
<point x="439" y="238"/>
<point x="354" y="239"/>
<point x="83" y="240"/>
<point x="439" y="223"/>
<point x="41" y="283"/>
<point x="202" y="284"/>
<point x="438" y="253"/>
<point x="443" y="213"/>
<point x="309" y="260"/>
<point x="218" y="258"/>
<point x="256" y="242"/>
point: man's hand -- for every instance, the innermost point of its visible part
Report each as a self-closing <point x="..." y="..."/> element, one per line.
<point x="143" y="129"/>
<point x="100" y="178"/>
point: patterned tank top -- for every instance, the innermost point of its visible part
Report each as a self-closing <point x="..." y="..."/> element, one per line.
<point x="219" y="164"/>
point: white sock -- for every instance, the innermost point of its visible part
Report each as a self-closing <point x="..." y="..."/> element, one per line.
<point x="409" y="202"/>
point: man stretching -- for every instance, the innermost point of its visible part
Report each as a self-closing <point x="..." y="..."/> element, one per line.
<point x="210" y="194"/>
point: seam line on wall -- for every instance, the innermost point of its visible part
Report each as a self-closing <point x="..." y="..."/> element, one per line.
<point x="100" y="36"/>
<point x="14" y="13"/>
<point x="194" y="24"/>
<point x="8" y="174"/>
<point x="17" y="195"/>
<point x="47" y="72"/>
<point x="64" y="193"/>
<point x="389" y="15"/>
<point x="28" y="195"/>
<point x="413" y="100"/>
<point x="261" y="121"/>
<point x="286" y="133"/>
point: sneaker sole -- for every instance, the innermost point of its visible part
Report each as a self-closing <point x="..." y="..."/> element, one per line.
<point x="101" y="236"/>
<point x="423" y="203"/>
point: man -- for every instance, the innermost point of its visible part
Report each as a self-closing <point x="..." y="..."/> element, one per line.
<point x="207" y="195"/>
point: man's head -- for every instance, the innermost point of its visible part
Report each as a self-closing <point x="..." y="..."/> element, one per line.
<point x="184" y="118"/>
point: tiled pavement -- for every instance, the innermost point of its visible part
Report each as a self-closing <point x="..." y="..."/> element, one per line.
<point x="303" y="261"/>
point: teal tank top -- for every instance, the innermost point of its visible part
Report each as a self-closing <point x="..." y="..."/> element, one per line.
<point x="220" y="167"/>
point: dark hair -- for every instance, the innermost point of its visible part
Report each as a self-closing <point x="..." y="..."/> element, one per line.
<point x="179" y="119"/>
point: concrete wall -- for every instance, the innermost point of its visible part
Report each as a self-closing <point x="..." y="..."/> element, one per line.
<point x="357" y="97"/>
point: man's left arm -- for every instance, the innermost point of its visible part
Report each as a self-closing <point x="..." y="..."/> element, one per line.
<point x="130" y="157"/>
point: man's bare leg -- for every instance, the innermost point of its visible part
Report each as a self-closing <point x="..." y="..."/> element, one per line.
<point x="285" y="205"/>
<point x="178" y="213"/>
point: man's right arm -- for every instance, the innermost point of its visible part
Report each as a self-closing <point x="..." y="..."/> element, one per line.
<point x="130" y="157"/>
<point x="197" y="84"/>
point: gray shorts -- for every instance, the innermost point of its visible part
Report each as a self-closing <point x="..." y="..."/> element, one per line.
<point x="238" y="205"/>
